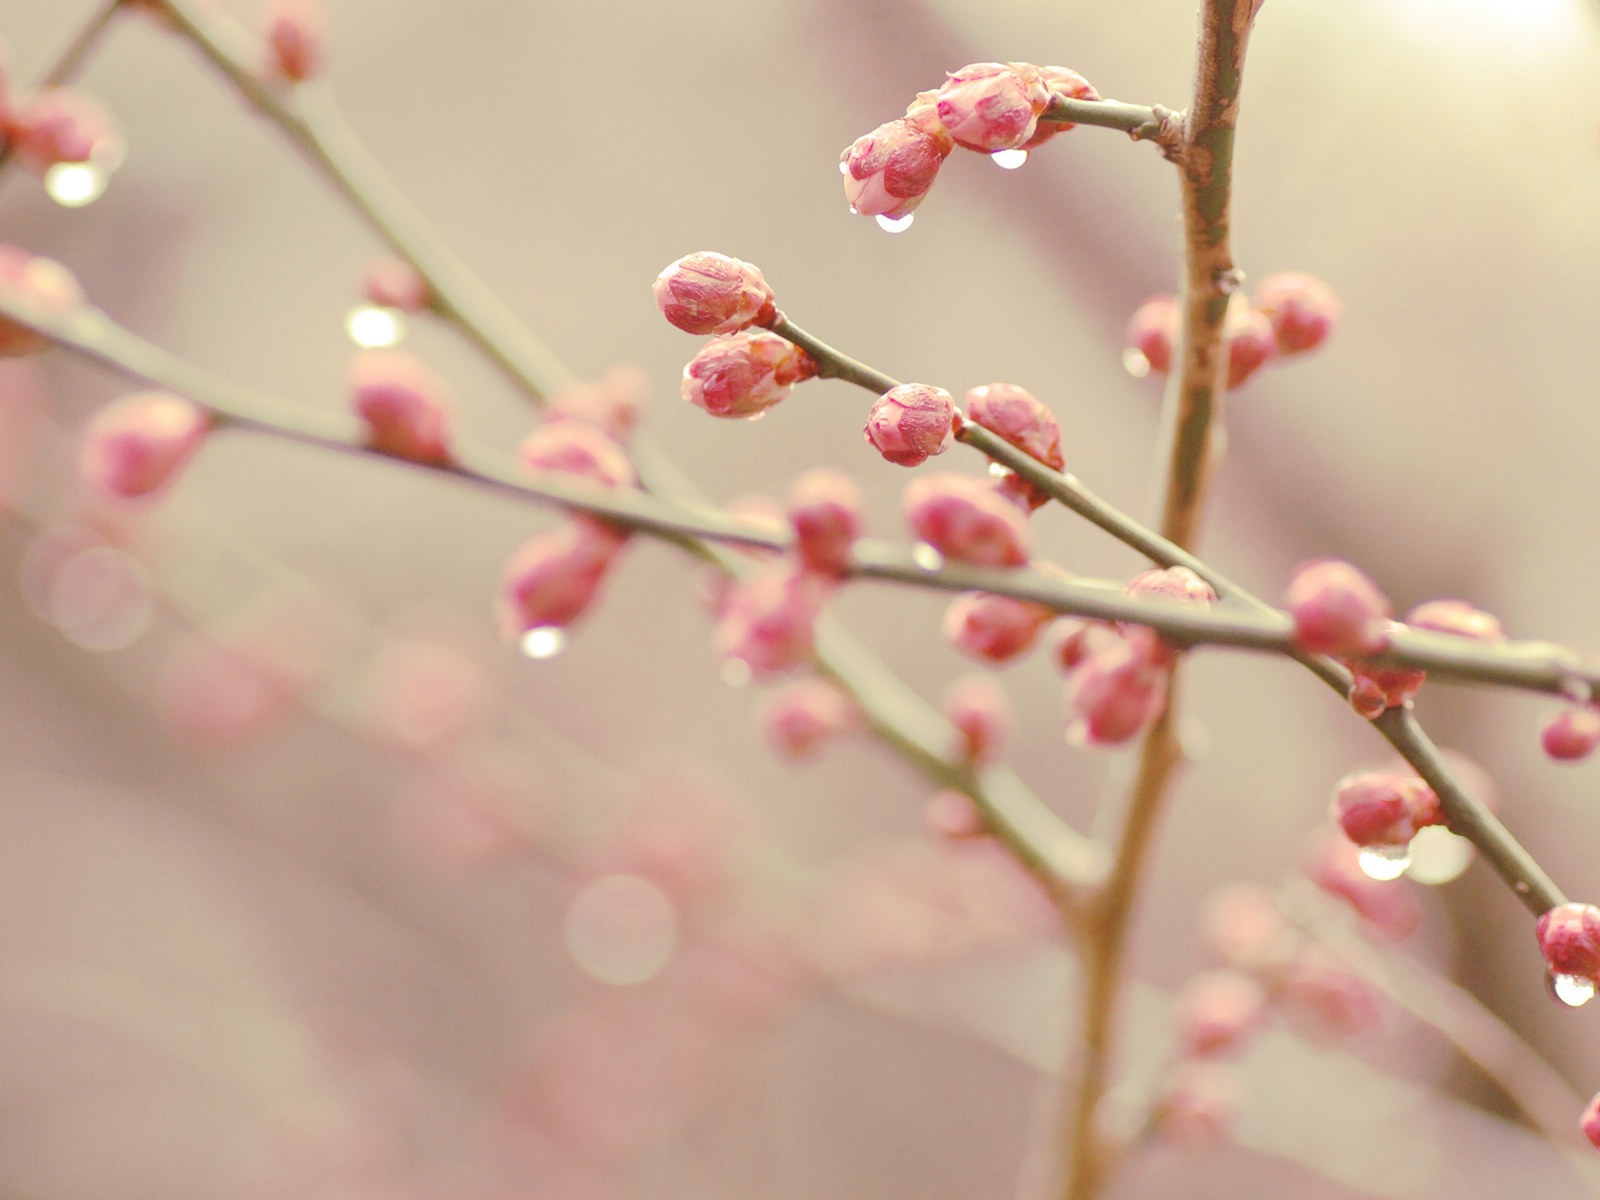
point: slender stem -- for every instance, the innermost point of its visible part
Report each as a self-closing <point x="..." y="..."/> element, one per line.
<point x="831" y="363"/>
<point x="1141" y="121"/>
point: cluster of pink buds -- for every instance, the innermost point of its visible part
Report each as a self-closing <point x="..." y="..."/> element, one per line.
<point x="986" y="107"/>
<point x="34" y="280"/>
<point x="295" y="33"/>
<point x="1017" y="416"/>
<point x="405" y="407"/>
<point x="135" y="448"/>
<point x="1289" y="313"/>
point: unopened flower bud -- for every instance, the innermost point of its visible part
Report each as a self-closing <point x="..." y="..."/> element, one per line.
<point x="798" y="719"/>
<point x="1251" y="344"/>
<point x="1013" y="414"/>
<point x="1572" y="734"/>
<point x="1375" y="690"/>
<point x="391" y="283"/>
<point x="1118" y="687"/>
<point x="744" y="374"/>
<point x="555" y="576"/>
<point x="1060" y="81"/>
<point x="1151" y="334"/>
<point x="768" y="621"/>
<point x="1302" y="309"/>
<point x="1458" y="619"/>
<point x="1337" y="609"/>
<point x="981" y="712"/>
<point x="295" y="32"/>
<point x="993" y="628"/>
<point x="1569" y="939"/>
<point x="1322" y="1000"/>
<point x="405" y="406"/>
<point x="135" y="447"/>
<point x="577" y="448"/>
<point x="825" y="512"/>
<point x="1243" y="926"/>
<point x="911" y="423"/>
<point x="711" y="293"/>
<point x="1377" y="808"/>
<point x="889" y="171"/>
<point x="992" y="106"/>
<point x="1199" y="1106"/>
<point x="1217" y="1011"/>
<point x="34" y="280"/>
<point x="966" y="521"/>
<point x="63" y="125"/>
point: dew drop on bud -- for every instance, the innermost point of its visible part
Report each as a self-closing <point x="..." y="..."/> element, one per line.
<point x="1572" y="990"/>
<point x="1135" y="363"/>
<point x="895" y="224"/>
<point x="926" y="557"/>
<point x="73" y="185"/>
<point x="1384" y="862"/>
<point x="844" y="167"/>
<point x="999" y="470"/>
<point x="1009" y="160"/>
<point x="544" y="641"/>
<point x="374" y="328"/>
<point x="854" y="211"/>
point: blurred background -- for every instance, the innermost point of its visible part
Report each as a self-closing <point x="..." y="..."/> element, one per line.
<point x="310" y="886"/>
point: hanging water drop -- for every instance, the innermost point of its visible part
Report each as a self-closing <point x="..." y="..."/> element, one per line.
<point x="895" y="224"/>
<point x="1572" y="990"/>
<point x="926" y="557"/>
<point x="1135" y="363"/>
<point x="73" y="185"/>
<point x="1009" y="160"/>
<point x="1384" y="862"/>
<point x="374" y="328"/>
<point x="544" y="641"/>
<point x="1438" y="856"/>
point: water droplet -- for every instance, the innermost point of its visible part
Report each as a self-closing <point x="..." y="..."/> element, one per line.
<point x="373" y="328"/>
<point x="854" y="211"/>
<point x="1438" y="856"/>
<point x="926" y="557"/>
<point x="1009" y="160"/>
<point x="756" y="416"/>
<point x="544" y="641"/>
<point x="736" y="673"/>
<point x="999" y="470"/>
<point x="73" y="185"/>
<point x="622" y="929"/>
<point x="844" y="167"/>
<point x="895" y="224"/>
<point x="1384" y="862"/>
<point x="1135" y="363"/>
<point x="1572" y="990"/>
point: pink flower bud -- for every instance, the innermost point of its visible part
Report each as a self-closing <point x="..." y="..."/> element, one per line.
<point x="992" y="106"/>
<point x="768" y="621"/>
<point x="953" y="816"/>
<point x="1060" y="81"/>
<point x="295" y="32"/>
<point x="1016" y="416"/>
<point x="710" y="293"/>
<point x="611" y="403"/>
<point x="1118" y="688"/>
<point x="1376" y="808"/>
<point x="1322" y="1000"/>
<point x="63" y="125"/>
<point x="1177" y="584"/>
<point x="35" y="280"/>
<point x="1243" y="926"/>
<point x="1389" y="908"/>
<point x="1590" y="1122"/>
<point x="405" y="406"/>
<point x="1217" y="1011"/>
<point x="1375" y="690"/>
<point x="889" y="171"/>
<point x="1572" y="734"/>
<point x="577" y="448"/>
<point x="1302" y="309"/>
<point x="744" y="374"/>
<point x="911" y="423"/>
<point x="136" y="446"/>
<point x="1569" y="939"/>
<point x="981" y="712"/>
<point x="1458" y="619"/>
<point x="555" y="576"/>
<point x="966" y="521"/>
<point x="798" y="719"/>
<point x="1251" y="344"/>
<point x="994" y="628"/>
<point x="1337" y="609"/>
<point x="1198" y="1109"/>
<point x="1151" y="334"/>
<point x="391" y="283"/>
<point x="825" y="512"/>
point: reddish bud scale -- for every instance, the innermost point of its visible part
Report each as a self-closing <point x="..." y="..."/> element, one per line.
<point x="992" y="106"/>
<point x="1060" y="81"/>
<point x="1302" y="309"/>
<point x="981" y="712"/>
<point x="798" y="719"/>
<point x="134" y="448"/>
<point x="744" y="374"/>
<point x="993" y="628"/>
<point x="1152" y="331"/>
<point x="1337" y="609"/>
<point x="825" y="512"/>
<point x="911" y="423"/>
<point x="1572" y="734"/>
<point x="1377" y="808"/>
<point x="1569" y="939"/>
<point x="890" y="171"/>
<point x="966" y="521"/>
<point x="405" y="406"/>
<point x="554" y="578"/>
<point x="711" y="293"/>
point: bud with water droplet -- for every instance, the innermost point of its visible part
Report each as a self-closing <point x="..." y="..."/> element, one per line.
<point x="1380" y="812"/>
<point x="890" y="171"/>
<point x="1569" y="939"/>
